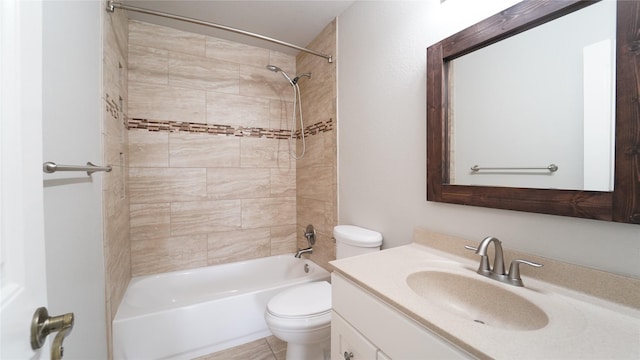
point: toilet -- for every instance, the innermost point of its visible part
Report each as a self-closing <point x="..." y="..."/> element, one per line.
<point x="301" y="316"/>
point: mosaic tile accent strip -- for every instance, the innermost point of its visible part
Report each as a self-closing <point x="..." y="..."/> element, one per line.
<point x="228" y="130"/>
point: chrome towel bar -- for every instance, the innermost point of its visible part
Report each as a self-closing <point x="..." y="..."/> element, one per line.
<point x="51" y="167"/>
<point x="551" y="168"/>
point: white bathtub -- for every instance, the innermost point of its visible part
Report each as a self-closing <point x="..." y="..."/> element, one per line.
<point x="185" y="314"/>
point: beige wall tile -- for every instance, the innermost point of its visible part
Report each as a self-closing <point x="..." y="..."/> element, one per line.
<point x="237" y="110"/>
<point x="284" y="61"/>
<point x="116" y="241"/>
<point x="283" y="239"/>
<point x="316" y="182"/>
<point x="198" y="72"/>
<point x="148" y="148"/>
<point x="281" y="114"/>
<point x="160" y="37"/>
<point x="283" y="182"/>
<point x="240" y="245"/>
<point x="148" y="65"/>
<point x="114" y="135"/>
<point x="114" y="182"/>
<point x="168" y="254"/>
<point x="238" y="183"/>
<point x="203" y="150"/>
<point x="236" y="52"/>
<point x="198" y="217"/>
<point x="239" y="192"/>
<point x="161" y="102"/>
<point x="258" y="213"/>
<point x="310" y="211"/>
<point x="117" y="248"/>
<point x="321" y="108"/>
<point x="261" y="152"/>
<point x="117" y="26"/>
<point x="150" y="221"/>
<point x="113" y="62"/>
<point x="152" y="185"/>
<point x="263" y="83"/>
<point x="119" y="270"/>
<point x="315" y="154"/>
<point x="316" y="172"/>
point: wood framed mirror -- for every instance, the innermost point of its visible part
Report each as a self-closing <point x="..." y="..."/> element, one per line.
<point x="620" y="205"/>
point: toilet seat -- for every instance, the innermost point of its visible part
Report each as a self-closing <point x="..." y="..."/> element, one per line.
<point x="304" y="301"/>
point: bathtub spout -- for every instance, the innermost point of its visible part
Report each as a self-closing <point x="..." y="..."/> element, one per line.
<point x="308" y="250"/>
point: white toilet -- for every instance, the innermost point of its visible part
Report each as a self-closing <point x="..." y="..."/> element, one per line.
<point x="301" y="316"/>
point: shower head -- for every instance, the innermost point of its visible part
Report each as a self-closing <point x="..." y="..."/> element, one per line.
<point x="277" y="69"/>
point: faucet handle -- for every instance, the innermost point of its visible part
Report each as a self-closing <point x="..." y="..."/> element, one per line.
<point x="484" y="267"/>
<point x="514" y="270"/>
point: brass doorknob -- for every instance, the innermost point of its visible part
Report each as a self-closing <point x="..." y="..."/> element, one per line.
<point x="42" y="325"/>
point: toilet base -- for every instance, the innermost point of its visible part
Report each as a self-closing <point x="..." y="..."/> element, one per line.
<point x="317" y="351"/>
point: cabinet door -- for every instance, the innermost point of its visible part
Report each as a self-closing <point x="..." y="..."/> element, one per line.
<point x="347" y="343"/>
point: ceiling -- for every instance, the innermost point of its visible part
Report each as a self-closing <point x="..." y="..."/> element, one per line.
<point x="294" y="21"/>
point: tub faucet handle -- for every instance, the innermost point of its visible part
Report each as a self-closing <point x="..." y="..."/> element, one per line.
<point x="310" y="234"/>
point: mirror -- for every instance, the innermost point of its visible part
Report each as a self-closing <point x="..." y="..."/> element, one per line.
<point x="506" y="122"/>
<point x="445" y="78"/>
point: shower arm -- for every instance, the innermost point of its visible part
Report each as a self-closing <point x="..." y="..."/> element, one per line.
<point x="112" y="5"/>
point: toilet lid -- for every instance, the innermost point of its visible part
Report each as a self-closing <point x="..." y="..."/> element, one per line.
<point x="302" y="301"/>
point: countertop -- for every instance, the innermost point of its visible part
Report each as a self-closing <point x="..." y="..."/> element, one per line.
<point x="592" y="314"/>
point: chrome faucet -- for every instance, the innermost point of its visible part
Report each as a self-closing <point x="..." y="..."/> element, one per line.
<point x="498" y="260"/>
<point x="308" y="250"/>
<point x="497" y="271"/>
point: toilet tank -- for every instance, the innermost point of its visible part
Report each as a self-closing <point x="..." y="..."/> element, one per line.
<point x="353" y="240"/>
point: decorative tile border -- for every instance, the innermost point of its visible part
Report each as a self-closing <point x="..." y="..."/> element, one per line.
<point x="228" y="130"/>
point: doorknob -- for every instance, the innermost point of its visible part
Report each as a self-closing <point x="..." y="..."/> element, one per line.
<point x="42" y="325"/>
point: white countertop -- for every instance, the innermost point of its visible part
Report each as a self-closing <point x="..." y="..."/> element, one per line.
<point x="581" y="326"/>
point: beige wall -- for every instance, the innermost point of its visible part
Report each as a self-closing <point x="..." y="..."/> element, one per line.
<point x="117" y="245"/>
<point x="316" y="171"/>
<point x="210" y="178"/>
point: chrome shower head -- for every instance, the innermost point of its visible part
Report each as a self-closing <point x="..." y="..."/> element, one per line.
<point x="277" y="69"/>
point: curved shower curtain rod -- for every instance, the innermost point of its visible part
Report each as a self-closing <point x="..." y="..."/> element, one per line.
<point x="112" y="5"/>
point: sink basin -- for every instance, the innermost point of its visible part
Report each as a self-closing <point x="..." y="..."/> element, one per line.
<point x="477" y="300"/>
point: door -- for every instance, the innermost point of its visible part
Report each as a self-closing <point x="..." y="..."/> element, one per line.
<point x="22" y="252"/>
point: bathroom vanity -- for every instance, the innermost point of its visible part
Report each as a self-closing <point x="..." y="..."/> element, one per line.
<point x="363" y="326"/>
<point x="426" y="301"/>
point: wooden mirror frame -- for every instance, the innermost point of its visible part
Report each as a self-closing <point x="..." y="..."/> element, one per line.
<point x="620" y="205"/>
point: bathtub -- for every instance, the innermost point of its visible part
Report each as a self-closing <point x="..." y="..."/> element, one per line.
<point x="185" y="314"/>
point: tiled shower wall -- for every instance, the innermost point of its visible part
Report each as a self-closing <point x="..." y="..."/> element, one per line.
<point x="317" y="170"/>
<point x="114" y="133"/>
<point x="210" y="178"/>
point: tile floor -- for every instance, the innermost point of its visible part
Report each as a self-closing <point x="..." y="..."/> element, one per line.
<point x="269" y="348"/>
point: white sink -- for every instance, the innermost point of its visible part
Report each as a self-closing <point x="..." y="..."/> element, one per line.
<point x="477" y="300"/>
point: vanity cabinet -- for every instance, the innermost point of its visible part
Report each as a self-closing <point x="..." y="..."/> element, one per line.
<point x="368" y="328"/>
<point x="349" y="344"/>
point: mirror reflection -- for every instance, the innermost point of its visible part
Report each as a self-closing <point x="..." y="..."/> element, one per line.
<point x="545" y="96"/>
